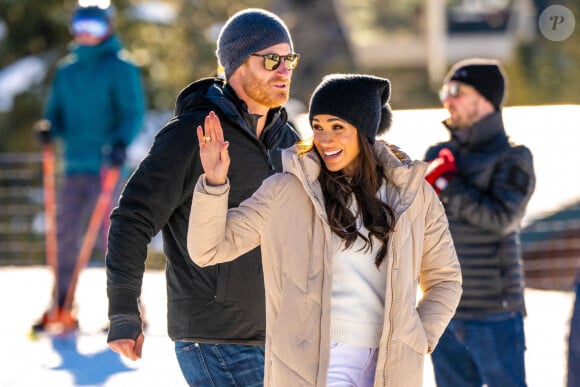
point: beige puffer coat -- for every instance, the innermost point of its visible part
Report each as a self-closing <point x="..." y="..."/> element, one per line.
<point x="286" y="217"/>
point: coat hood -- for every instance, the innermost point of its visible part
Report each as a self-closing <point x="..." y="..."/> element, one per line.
<point x="202" y="94"/>
<point x="215" y="94"/>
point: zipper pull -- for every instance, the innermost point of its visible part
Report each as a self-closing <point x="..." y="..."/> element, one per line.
<point x="272" y="167"/>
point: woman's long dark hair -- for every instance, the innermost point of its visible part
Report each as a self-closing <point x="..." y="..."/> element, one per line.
<point x="376" y="215"/>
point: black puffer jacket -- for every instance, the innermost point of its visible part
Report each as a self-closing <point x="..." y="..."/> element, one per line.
<point x="218" y="304"/>
<point x="485" y="204"/>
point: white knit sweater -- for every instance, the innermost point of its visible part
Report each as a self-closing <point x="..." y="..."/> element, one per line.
<point x="358" y="294"/>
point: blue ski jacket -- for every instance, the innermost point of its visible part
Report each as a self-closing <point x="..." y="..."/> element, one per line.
<point x="96" y="100"/>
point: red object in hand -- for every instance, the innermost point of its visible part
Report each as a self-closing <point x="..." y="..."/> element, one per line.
<point x="441" y="170"/>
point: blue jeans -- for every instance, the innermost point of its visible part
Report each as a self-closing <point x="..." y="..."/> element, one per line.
<point x="473" y="352"/>
<point x="221" y="365"/>
<point x="574" y="342"/>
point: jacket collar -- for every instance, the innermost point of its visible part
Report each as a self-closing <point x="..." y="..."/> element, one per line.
<point x="481" y="132"/>
<point x="111" y="45"/>
<point x="216" y="94"/>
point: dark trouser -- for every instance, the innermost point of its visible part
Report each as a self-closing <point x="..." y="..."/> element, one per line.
<point x="221" y="365"/>
<point x="574" y="343"/>
<point x="76" y="201"/>
<point x="488" y="351"/>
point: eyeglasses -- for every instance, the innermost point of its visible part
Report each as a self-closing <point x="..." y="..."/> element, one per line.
<point x="449" y="90"/>
<point x="272" y="61"/>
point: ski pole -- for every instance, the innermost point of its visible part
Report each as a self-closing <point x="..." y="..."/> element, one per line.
<point x="49" y="188"/>
<point x="96" y="220"/>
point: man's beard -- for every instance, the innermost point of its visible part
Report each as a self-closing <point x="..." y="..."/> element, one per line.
<point x="262" y="91"/>
<point x="462" y="121"/>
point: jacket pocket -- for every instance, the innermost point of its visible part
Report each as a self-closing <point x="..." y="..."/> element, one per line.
<point x="222" y="282"/>
<point x="409" y="329"/>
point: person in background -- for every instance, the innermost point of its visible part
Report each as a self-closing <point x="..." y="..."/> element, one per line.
<point x="574" y="338"/>
<point x="348" y="233"/>
<point x="95" y="108"/>
<point x="485" y="182"/>
<point x="216" y="315"/>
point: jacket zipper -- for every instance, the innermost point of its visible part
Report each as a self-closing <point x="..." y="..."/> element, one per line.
<point x="389" y="336"/>
<point x="270" y="162"/>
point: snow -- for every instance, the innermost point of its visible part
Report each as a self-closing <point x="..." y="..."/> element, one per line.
<point x="19" y="77"/>
<point x="85" y="360"/>
<point x="153" y="12"/>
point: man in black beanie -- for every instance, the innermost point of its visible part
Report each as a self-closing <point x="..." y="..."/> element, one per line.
<point x="216" y="315"/>
<point x="485" y="183"/>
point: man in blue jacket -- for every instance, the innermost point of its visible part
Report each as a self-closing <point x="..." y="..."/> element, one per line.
<point x="485" y="183"/>
<point x="216" y="315"/>
<point x="95" y="109"/>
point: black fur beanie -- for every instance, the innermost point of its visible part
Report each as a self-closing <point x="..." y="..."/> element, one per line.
<point x="246" y="33"/>
<point x="361" y="100"/>
<point x="484" y="75"/>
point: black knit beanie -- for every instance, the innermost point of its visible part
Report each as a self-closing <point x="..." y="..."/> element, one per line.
<point x="484" y="75"/>
<point x="246" y="33"/>
<point x="361" y="100"/>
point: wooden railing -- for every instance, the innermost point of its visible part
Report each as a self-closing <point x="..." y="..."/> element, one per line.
<point x="21" y="209"/>
<point x="551" y="250"/>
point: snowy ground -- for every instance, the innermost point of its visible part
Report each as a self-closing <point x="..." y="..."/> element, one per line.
<point x="86" y="360"/>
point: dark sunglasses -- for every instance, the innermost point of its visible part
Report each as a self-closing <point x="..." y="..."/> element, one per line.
<point x="449" y="90"/>
<point x="272" y="61"/>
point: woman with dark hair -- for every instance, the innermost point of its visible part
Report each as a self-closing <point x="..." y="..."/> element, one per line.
<point x="349" y="232"/>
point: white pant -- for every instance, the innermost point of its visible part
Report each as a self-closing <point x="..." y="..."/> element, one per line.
<point x="351" y="366"/>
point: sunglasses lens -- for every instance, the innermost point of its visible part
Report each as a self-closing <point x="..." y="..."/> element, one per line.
<point x="454" y="90"/>
<point x="443" y="94"/>
<point x="271" y="62"/>
<point x="291" y="61"/>
<point x="449" y="91"/>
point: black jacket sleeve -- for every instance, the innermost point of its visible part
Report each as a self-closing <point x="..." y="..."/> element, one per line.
<point x="152" y="194"/>
<point x="499" y="207"/>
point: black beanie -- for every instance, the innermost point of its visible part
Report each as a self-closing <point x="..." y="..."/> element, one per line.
<point x="484" y="75"/>
<point x="247" y="32"/>
<point x="361" y="100"/>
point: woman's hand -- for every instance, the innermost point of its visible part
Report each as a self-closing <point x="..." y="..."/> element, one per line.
<point x="213" y="150"/>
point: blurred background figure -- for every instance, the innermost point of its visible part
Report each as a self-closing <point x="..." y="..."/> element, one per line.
<point x="574" y="340"/>
<point x="95" y="108"/>
<point x="485" y="183"/>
